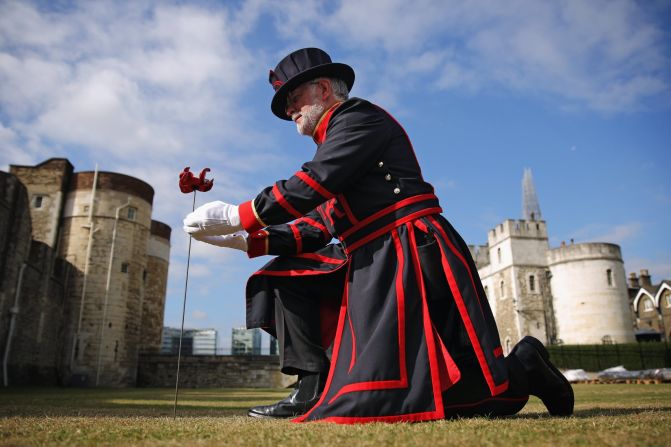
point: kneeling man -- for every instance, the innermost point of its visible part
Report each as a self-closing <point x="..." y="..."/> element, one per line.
<point x="398" y="297"/>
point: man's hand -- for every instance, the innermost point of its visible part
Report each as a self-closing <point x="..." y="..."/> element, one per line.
<point x="237" y="240"/>
<point x="213" y="219"/>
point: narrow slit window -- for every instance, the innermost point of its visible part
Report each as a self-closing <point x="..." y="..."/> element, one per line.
<point x="124" y="267"/>
<point x="37" y="201"/>
<point x="609" y="277"/>
<point x="532" y="283"/>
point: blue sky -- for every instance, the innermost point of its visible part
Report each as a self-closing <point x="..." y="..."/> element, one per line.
<point x="580" y="92"/>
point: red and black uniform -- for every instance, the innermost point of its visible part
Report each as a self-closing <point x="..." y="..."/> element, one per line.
<point x="412" y="316"/>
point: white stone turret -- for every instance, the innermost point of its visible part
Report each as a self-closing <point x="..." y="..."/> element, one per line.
<point x="590" y="294"/>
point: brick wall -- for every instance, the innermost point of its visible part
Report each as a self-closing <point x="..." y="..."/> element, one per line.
<point x="212" y="372"/>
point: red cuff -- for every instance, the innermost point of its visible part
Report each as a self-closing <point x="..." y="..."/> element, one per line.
<point x="257" y="244"/>
<point x="248" y="218"/>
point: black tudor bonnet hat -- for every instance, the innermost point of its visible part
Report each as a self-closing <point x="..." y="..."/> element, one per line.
<point x="302" y="66"/>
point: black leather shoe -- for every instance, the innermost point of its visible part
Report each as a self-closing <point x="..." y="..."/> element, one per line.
<point x="302" y="398"/>
<point x="545" y="381"/>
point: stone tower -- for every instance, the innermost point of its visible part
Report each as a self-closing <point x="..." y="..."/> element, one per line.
<point x="106" y="227"/>
<point x="516" y="281"/>
<point x="153" y="302"/>
<point x="100" y="265"/>
<point x="589" y="287"/>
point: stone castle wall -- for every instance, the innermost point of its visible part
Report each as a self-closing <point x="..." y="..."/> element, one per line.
<point x="243" y="371"/>
<point x="48" y="181"/>
<point x="155" y="285"/>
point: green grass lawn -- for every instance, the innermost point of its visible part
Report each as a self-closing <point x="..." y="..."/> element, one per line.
<point x="617" y="415"/>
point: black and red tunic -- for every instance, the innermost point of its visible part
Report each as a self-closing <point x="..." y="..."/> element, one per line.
<point x="364" y="187"/>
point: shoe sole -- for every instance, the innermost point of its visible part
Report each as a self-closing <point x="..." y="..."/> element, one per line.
<point x="253" y="414"/>
<point x="545" y="355"/>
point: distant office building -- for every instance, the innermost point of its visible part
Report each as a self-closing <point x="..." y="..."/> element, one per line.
<point x="194" y="341"/>
<point x="246" y="341"/>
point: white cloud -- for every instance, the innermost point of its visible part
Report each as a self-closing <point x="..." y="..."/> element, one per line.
<point x="125" y="80"/>
<point x="615" y="234"/>
<point x="606" y="55"/>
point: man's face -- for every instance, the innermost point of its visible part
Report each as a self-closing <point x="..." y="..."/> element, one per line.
<point x="304" y="107"/>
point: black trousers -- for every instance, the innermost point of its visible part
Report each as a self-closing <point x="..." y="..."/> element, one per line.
<point x="299" y="334"/>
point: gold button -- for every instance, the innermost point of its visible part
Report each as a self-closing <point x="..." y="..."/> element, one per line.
<point x="380" y="164"/>
<point x="397" y="190"/>
<point x="387" y="177"/>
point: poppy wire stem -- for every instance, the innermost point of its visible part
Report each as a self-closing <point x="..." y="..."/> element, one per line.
<point x="181" y="332"/>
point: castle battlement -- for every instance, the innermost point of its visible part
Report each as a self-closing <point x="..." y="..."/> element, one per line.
<point x="517" y="228"/>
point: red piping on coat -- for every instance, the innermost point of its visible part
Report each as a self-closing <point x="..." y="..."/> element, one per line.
<point x="402" y="381"/>
<point x="312" y="183"/>
<point x="315" y="224"/>
<point x="336" y="347"/>
<point x="282" y="201"/>
<point x="349" y="248"/>
<point x="428" y="328"/>
<point x="390" y="209"/>
<point x="468" y="324"/>
<point x="320" y="258"/>
<point x="458" y="254"/>
<point x="407" y="138"/>
<point x="348" y="211"/>
<point x="298" y="238"/>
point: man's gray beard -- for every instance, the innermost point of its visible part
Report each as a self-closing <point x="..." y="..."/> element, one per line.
<point x="310" y="119"/>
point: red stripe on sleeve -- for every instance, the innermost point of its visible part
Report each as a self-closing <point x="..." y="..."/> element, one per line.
<point x="297" y="238"/>
<point x="283" y="202"/>
<point x="317" y="225"/>
<point x="312" y="183"/>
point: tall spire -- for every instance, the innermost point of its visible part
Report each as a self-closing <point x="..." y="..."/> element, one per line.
<point x="531" y="210"/>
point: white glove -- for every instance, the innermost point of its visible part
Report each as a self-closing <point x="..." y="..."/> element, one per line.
<point x="213" y="219"/>
<point x="237" y="240"/>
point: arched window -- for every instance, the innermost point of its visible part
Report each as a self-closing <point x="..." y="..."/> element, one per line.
<point x="501" y="288"/>
<point x="498" y="254"/>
